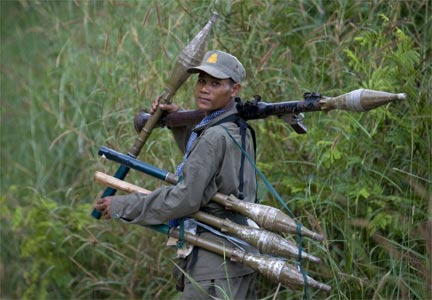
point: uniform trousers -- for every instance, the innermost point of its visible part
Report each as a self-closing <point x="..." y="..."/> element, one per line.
<point x="242" y="287"/>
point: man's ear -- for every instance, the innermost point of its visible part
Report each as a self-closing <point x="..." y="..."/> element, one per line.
<point x="236" y="89"/>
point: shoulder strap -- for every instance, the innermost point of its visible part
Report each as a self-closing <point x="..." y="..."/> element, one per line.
<point x="235" y="118"/>
<point x="243" y="125"/>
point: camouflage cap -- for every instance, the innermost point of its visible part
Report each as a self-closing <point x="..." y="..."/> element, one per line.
<point x="221" y="65"/>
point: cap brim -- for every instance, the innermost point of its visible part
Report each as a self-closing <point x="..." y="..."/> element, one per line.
<point x="209" y="70"/>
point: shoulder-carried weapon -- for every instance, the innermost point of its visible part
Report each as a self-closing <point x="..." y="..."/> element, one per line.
<point x="190" y="56"/>
<point x="360" y="100"/>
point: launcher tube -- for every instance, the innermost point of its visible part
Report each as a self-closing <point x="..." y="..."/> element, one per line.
<point x="360" y="100"/>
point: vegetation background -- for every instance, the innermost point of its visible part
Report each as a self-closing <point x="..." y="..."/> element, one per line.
<point x="73" y="74"/>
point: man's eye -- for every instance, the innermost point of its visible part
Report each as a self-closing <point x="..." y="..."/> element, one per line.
<point x="215" y="83"/>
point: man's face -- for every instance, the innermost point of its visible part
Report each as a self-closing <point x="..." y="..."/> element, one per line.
<point x="212" y="94"/>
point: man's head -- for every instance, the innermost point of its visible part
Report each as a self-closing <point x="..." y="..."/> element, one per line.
<point x="219" y="81"/>
<point x="221" y="65"/>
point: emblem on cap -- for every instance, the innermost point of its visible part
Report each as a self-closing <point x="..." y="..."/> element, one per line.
<point x="212" y="58"/>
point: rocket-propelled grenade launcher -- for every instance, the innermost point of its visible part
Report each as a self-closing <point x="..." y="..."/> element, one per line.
<point x="190" y="56"/>
<point x="360" y="100"/>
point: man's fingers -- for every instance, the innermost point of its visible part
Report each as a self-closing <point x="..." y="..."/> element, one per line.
<point x="102" y="204"/>
<point x="163" y="106"/>
<point x="106" y="214"/>
<point x="169" y="107"/>
<point x="100" y="207"/>
<point x="155" y="105"/>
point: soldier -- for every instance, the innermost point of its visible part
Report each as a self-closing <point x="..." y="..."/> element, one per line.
<point x="212" y="163"/>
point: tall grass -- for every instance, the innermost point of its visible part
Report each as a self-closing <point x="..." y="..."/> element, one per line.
<point x="74" y="73"/>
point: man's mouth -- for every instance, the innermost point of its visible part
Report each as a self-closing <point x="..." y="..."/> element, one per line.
<point x="203" y="99"/>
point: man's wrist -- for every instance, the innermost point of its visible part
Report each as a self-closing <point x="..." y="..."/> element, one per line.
<point x="116" y="208"/>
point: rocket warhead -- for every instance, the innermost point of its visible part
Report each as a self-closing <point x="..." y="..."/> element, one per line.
<point x="266" y="241"/>
<point x="360" y="100"/>
<point x="268" y="217"/>
<point x="277" y="270"/>
<point x="190" y="56"/>
<point x="290" y="273"/>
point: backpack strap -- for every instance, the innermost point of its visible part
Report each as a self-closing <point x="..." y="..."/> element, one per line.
<point x="243" y="125"/>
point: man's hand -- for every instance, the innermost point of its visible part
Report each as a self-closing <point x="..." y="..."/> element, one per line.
<point x="169" y="108"/>
<point x="103" y="205"/>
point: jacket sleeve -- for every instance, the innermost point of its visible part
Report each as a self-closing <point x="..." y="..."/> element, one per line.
<point x="195" y="190"/>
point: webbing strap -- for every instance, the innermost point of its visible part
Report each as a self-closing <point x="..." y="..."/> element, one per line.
<point x="181" y="239"/>
<point x="278" y="197"/>
<point x="241" y="172"/>
<point x="243" y="125"/>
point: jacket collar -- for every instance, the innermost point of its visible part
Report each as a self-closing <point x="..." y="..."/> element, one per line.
<point x="231" y="111"/>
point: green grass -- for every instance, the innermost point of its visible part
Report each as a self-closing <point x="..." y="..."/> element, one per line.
<point x="74" y="73"/>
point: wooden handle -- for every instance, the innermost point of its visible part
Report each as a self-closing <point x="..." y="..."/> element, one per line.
<point x="119" y="184"/>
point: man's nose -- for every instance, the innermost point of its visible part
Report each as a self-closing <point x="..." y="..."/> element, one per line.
<point x="204" y="88"/>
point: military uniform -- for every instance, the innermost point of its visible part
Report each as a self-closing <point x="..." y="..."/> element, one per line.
<point x="213" y="166"/>
<point x="213" y="163"/>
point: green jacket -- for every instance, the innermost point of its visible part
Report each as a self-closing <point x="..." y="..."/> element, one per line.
<point x="212" y="166"/>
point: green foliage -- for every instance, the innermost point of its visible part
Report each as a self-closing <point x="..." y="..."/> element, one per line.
<point x="49" y="233"/>
<point x="64" y="255"/>
<point x="74" y="73"/>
